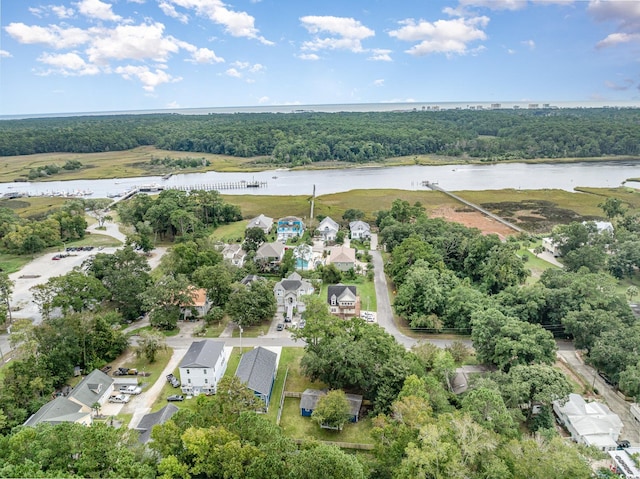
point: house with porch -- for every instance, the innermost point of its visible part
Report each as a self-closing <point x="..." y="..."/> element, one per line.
<point x="303" y="253"/>
<point x="263" y="222"/>
<point x="257" y="370"/>
<point x="290" y="227"/>
<point x="343" y="301"/>
<point x="360" y="230"/>
<point x="202" y="367"/>
<point x="289" y="293"/>
<point x="342" y="257"/>
<point x="270" y="254"/>
<point x="77" y="406"/>
<point x="327" y="229"/>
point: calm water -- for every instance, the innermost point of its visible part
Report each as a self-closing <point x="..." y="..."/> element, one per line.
<point x="523" y="176"/>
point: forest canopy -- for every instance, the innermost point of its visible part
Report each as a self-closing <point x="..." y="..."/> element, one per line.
<point x="304" y="138"/>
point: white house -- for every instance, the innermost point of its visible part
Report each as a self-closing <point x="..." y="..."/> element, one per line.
<point x="289" y="293"/>
<point x="202" y="367"/>
<point x="328" y="229"/>
<point x="199" y="304"/>
<point x="234" y="254"/>
<point x="360" y="230"/>
<point x="590" y="423"/>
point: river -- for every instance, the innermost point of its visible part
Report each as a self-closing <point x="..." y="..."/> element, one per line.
<point x="524" y="176"/>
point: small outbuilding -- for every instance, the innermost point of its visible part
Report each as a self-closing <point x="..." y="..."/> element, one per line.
<point x="310" y="398"/>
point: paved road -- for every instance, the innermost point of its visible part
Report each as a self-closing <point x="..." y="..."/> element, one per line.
<point x="631" y="429"/>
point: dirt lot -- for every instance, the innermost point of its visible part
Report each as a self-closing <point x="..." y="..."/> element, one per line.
<point x="473" y="219"/>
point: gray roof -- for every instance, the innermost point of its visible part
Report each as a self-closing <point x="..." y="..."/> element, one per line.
<point x="270" y="250"/>
<point x="339" y="290"/>
<point x="250" y="278"/>
<point x="257" y="369"/>
<point x="359" y="224"/>
<point x="261" y="221"/>
<point x="149" y="420"/>
<point x="328" y="222"/>
<point x="57" y="411"/>
<point x="202" y="354"/>
<point x="310" y="397"/>
<point x="92" y="388"/>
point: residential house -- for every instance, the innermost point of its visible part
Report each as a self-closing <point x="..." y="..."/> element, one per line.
<point x="257" y="370"/>
<point x="263" y="222"/>
<point x="199" y="305"/>
<point x="303" y="253"/>
<point x="95" y="388"/>
<point x="250" y="278"/>
<point x="289" y="293"/>
<point x="360" y="230"/>
<point x="342" y="257"/>
<point x="343" y="301"/>
<point x="147" y="422"/>
<point x="310" y="398"/>
<point x="625" y="462"/>
<point x="202" y="367"/>
<point x="328" y="229"/>
<point x="270" y="254"/>
<point x="590" y="423"/>
<point x="551" y="246"/>
<point x="234" y="254"/>
<point x="290" y="227"/>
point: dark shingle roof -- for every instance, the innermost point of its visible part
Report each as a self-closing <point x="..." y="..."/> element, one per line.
<point x="257" y="369"/>
<point x="202" y="354"/>
<point x="149" y="420"/>
<point x="91" y="388"/>
<point x="57" y="411"/>
<point x="338" y="290"/>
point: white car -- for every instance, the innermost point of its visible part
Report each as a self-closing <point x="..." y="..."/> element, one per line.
<point x="130" y="389"/>
<point x="119" y="398"/>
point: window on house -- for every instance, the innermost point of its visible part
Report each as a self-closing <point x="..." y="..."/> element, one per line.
<point x="206" y="381"/>
<point x="188" y="372"/>
<point x="188" y="381"/>
<point x="205" y="371"/>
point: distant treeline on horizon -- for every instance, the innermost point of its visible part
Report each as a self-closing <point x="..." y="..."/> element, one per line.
<point x="357" y="137"/>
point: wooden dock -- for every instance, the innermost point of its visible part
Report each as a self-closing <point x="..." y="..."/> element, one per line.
<point x="434" y="186"/>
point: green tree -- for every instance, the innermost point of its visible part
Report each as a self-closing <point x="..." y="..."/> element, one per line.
<point x="353" y="214"/>
<point x="488" y="409"/>
<point x="74" y="291"/>
<point x="252" y="305"/>
<point x="164" y="298"/>
<point x="217" y="280"/>
<point x="149" y="344"/>
<point x="332" y="410"/>
<point x="253" y="238"/>
<point x="6" y="288"/>
<point x="612" y="207"/>
<point x="319" y="461"/>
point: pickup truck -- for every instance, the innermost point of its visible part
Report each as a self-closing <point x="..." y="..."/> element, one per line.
<point x="130" y="389"/>
<point x="119" y="398"/>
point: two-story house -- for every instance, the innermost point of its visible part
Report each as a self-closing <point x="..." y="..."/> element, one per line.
<point x="202" y="367"/>
<point x="270" y="254"/>
<point x="199" y="305"/>
<point x="289" y="293"/>
<point x="342" y="257"/>
<point x="290" y="227"/>
<point x="360" y="230"/>
<point x="234" y="254"/>
<point x="327" y="229"/>
<point x="343" y="301"/>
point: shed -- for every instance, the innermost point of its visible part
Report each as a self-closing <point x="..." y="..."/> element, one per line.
<point x="310" y="398"/>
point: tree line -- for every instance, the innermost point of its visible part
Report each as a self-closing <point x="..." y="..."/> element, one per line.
<point x="352" y="137"/>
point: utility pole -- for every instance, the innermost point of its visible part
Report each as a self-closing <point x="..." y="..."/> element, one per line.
<point x="313" y="198"/>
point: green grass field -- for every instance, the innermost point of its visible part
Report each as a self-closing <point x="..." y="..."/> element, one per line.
<point x="365" y="289"/>
<point x="230" y="233"/>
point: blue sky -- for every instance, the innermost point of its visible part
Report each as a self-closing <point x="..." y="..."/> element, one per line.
<point x="109" y="55"/>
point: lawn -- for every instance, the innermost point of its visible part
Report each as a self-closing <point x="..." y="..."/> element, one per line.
<point x="365" y="289"/>
<point x="230" y="233"/>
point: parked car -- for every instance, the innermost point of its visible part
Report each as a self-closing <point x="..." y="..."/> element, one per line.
<point x="280" y="327"/>
<point x="302" y="324"/>
<point x="119" y="398"/>
<point x="623" y="444"/>
<point x="130" y="389"/>
<point x="175" y="397"/>
<point x="173" y="380"/>
<point x="125" y="371"/>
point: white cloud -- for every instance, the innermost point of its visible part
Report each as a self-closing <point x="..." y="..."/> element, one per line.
<point x="379" y="82"/>
<point x="237" y="24"/>
<point x="343" y="33"/>
<point x="256" y="68"/>
<point x="97" y="9"/>
<point x="511" y="51"/>
<point x="626" y="16"/>
<point x="495" y="4"/>
<point x="134" y="42"/>
<point x="149" y="79"/>
<point x="68" y="64"/>
<point x="204" y="55"/>
<point x="441" y="36"/>
<point x="262" y="100"/>
<point x="232" y="72"/>
<point x="5" y="54"/>
<point x="170" y="11"/>
<point x="530" y="44"/>
<point x="62" y="12"/>
<point x="173" y="104"/>
<point x="308" y="56"/>
<point x="52" y="35"/>
<point x="380" y="55"/>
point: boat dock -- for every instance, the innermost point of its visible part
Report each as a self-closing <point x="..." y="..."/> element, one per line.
<point x="434" y="186"/>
